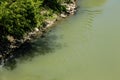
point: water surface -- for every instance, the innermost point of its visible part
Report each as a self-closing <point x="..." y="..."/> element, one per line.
<point x="82" y="47"/>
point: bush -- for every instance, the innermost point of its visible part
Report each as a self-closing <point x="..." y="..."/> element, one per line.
<point x="55" y="5"/>
<point x="20" y="16"/>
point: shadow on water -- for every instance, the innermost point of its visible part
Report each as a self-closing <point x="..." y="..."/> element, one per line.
<point x="47" y="44"/>
<point x="27" y="51"/>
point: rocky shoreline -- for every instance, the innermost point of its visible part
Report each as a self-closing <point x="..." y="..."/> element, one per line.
<point x="37" y="32"/>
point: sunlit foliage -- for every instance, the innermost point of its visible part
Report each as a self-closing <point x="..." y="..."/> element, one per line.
<point x="20" y="16"/>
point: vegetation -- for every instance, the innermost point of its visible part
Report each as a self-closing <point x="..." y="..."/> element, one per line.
<point x="18" y="17"/>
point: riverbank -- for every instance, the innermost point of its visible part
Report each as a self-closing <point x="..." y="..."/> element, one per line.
<point x="37" y="31"/>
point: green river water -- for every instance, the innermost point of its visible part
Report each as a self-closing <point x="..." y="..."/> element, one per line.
<point x="82" y="47"/>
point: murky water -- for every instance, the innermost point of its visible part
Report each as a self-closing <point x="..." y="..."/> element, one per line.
<point x="83" y="47"/>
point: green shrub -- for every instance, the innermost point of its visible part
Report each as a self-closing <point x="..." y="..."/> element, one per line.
<point x="20" y="16"/>
<point x="55" y="5"/>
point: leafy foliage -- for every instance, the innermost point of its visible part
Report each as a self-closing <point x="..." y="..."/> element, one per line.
<point x="20" y="16"/>
<point x="54" y="4"/>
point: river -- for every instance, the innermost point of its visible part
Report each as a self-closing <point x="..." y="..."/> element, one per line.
<point x="85" y="46"/>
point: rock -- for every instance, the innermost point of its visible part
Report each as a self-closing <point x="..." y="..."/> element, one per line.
<point x="36" y="29"/>
<point x="12" y="47"/>
<point x="50" y="22"/>
<point x="68" y="8"/>
<point x="43" y="12"/>
<point x="63" y="15"/>
<point x="10" y="38"/>
<point x="0" y="56"/>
